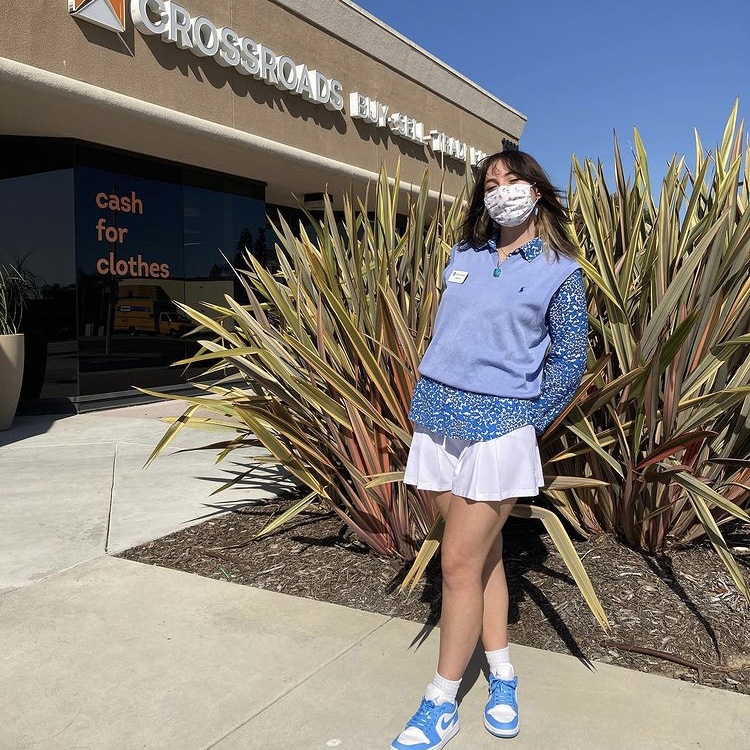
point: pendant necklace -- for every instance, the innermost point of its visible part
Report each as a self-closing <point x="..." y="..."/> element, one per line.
<point x="497" y="271"/>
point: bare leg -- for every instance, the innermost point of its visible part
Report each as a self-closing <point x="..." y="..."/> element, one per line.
<point x="471" y="530"/>
<point x="495" y="617"/>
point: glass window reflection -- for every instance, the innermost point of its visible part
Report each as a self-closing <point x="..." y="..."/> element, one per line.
<point x="109" y="245"/>
<point x="218" y="227"/>
<point x="37" y="237"/>
<point x="130" y="273"/>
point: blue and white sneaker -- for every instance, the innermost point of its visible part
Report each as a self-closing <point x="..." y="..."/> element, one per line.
<point x="501" y="711"/>
<point x="430" y="728"/>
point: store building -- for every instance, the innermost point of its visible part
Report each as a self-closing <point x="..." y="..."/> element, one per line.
<point x="145" y="142"/>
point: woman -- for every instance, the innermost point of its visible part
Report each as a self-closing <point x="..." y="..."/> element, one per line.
<point x="508" y="352"/>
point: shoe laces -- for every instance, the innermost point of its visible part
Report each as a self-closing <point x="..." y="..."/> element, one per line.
<point x="425" y="716"/>
<point x="502" y="691"/>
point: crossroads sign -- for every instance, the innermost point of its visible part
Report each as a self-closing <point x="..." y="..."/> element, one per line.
<point x="174" y="25"/>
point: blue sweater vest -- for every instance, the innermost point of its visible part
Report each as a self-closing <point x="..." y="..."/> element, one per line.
<point x="490" y="333"/>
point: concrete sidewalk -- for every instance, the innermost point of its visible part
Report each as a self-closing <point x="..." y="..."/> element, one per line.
<point x="100" y="652"/>
<point x="74" y="487"/>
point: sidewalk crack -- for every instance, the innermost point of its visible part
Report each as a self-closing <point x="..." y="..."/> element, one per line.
<point x="111" y="500"/>
<point x="334" y="658"/>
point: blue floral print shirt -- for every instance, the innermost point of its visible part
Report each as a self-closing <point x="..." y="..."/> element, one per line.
<point x="472" y="416"/>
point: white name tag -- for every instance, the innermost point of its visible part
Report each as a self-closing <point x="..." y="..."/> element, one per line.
<point x="458" y="277"/>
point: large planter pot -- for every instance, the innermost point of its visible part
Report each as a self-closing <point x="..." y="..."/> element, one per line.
<point x="11" y="376"/>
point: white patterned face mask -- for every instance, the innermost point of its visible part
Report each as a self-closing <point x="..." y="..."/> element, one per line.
<point x="510" y="205"/>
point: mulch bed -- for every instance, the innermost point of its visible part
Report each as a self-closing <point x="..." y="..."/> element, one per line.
<point x="679" y="605"/>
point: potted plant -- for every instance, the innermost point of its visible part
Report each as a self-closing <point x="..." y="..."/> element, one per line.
<point x="35" y="332"/>
<point x="11" y="342"/>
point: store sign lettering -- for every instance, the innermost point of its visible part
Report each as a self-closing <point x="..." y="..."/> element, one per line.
<point x="112" y="234"/>
<point x="173" y="24"/>
<point x="376" y="113"/>
<point x="203" y="38"/>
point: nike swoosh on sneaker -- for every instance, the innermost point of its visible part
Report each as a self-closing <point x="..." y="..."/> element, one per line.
<point x="451" y="720"/>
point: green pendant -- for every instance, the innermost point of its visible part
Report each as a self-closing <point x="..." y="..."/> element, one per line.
<point x="497" y="272"/>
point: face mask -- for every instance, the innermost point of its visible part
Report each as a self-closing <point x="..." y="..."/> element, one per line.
<point x="510" y="205"/>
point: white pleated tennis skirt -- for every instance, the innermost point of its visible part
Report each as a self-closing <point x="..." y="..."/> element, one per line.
<point x="484" y="470"/>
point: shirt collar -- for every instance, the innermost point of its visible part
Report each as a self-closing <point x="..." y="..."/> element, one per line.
<point x="528" y="251"/>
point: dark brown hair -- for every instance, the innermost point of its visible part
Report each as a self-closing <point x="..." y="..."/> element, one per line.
<point x="552" y="220"/>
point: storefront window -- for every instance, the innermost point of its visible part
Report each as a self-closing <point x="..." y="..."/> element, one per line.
<point x="109" y="245"/>
<point x="130" y="264"/>
<point x="142" y="245"/>
<point x="37" y="237"/>
<point x="219" y="227"/>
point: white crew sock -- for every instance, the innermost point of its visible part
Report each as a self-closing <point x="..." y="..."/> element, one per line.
<point x="499" y="662"/>
<point x="441" y="690"/>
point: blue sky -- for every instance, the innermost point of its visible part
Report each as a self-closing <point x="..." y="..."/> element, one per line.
<point x="579" y="70"/>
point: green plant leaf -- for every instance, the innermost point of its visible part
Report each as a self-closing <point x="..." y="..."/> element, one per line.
<point x="569" y="555"/>
<point x="702" y="490"/>
<point x="719" y="543"/>
<point x="426" y="552"/>
<point x="287" y="515"/>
